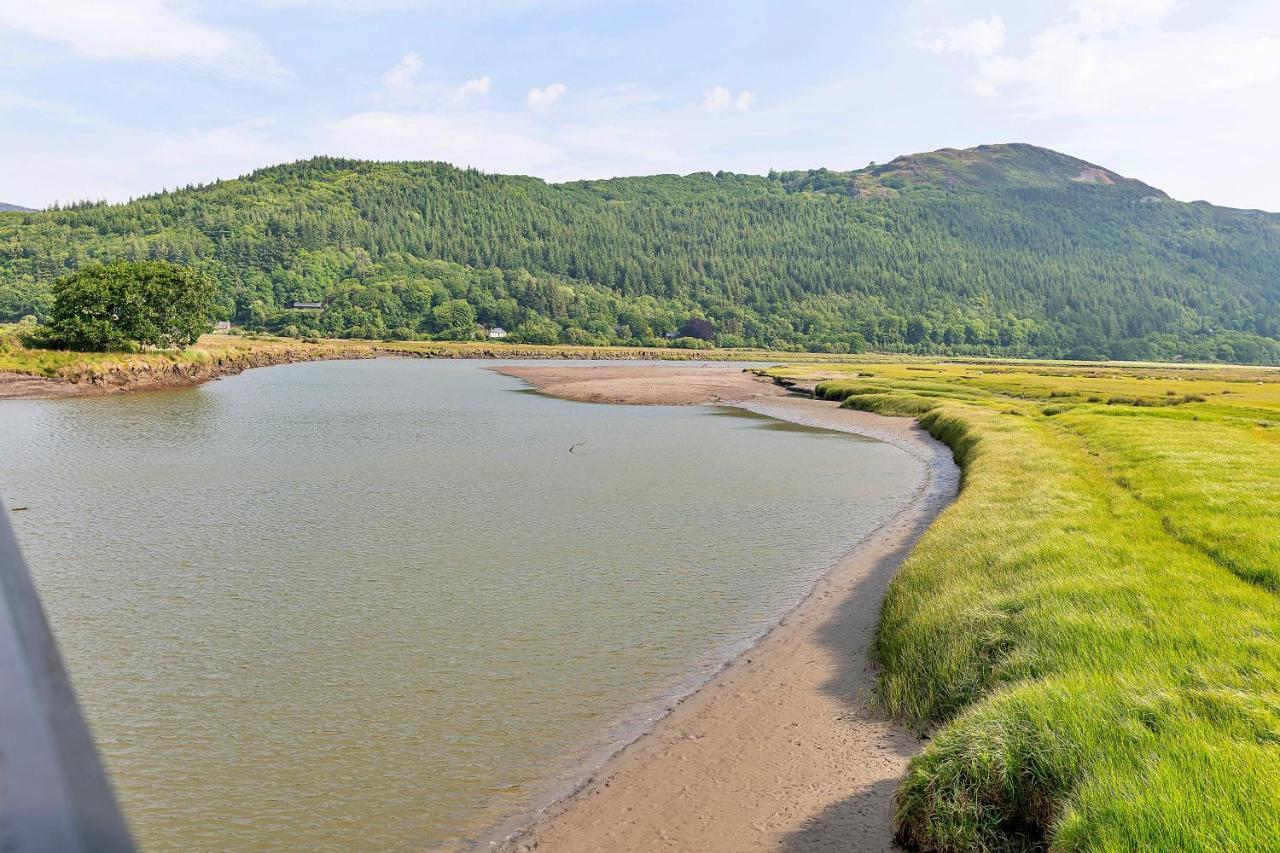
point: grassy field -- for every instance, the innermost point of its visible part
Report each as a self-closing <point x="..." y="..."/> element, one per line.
<point x="81" y="366"/>
<point x="1091" y="632"/>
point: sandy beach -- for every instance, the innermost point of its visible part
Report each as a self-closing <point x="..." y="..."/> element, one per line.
<point x="666" y="385"/>
<point x="781" y="750"/>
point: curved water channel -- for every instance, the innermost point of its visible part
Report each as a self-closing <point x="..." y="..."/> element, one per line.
<point x="377" y="604"/>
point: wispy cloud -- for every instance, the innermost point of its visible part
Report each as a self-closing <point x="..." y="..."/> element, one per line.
<point x="979" y="38"/>
<point x="478" y="86"/>
<point x="142" y="30"/>
<point x="1105" y="57"/>
<point x="403" y="85"/>
<point x="402" y="78"/>
<point x="718" y="99"/>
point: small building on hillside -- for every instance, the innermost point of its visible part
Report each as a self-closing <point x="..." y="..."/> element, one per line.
<point x="308" y="306"/>
<point x="222" y="327"/>
<point x="497" y="332"/>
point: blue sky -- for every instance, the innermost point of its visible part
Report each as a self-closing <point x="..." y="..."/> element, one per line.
<point x="117" y="98"/>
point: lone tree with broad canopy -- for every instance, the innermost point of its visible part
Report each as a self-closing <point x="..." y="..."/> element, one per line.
<point x="127" y="305"/>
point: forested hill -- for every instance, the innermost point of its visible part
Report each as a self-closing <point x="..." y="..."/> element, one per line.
<point x="1001" y="250"/>
<point x="5" y="206"/>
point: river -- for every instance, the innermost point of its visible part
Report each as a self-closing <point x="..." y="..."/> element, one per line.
<point x="382" y="604"/>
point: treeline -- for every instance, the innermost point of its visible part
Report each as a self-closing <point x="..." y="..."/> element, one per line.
<point x="993" y="251"/>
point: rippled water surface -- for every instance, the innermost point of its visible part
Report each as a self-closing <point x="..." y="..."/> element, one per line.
<point x="354" y="605"/>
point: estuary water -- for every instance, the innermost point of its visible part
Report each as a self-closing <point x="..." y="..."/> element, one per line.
<point x="380" y="604"/>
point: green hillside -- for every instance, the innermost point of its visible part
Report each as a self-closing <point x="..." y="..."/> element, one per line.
<point x="999" y="250"/>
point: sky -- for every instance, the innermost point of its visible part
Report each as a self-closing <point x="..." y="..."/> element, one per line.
<point x="112" y="99"/>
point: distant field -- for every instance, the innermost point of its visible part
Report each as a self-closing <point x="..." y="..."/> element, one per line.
<point x="80" y="366"/>
<point x="248" y="350"/>
<point x="1092" y="631"/>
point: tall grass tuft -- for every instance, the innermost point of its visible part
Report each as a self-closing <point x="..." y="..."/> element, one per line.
<point x="1091" y="632"/>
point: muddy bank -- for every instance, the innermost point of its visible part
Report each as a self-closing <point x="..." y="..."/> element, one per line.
<point x="226" y="356"/>
<point x="149" y="374"/>
<point x="781" y="750"/>
<point x="670" y="385"/>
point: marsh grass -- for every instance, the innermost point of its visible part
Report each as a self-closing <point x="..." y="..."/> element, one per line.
<point x="211" y="351"/>
<point x="1090" y="632"/>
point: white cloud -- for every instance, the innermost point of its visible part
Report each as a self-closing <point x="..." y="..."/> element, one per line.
<point x="402" y="86"/>
<point x="718" y="98"/>
<point x="151" y="30"/>
<point x="478" y="86"/>
<point x="979" y="39"/>
<point x="403" y="76"/>
<point x="1108" y="57"/>
<point x="540" y="98"/>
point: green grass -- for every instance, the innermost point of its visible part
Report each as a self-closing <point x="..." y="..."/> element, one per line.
<point x="1090" y="632"/>
<point x="66" y="364"/>
<point x="212" y="351"/>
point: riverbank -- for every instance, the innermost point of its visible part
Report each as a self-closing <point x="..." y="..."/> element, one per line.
<point x="49" y="374"/>
<point x="781" y="749"/>
<point x="1088" y="632"/>
<point x="42" y="374"/>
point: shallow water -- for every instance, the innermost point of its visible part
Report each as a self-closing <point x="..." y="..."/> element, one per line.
<point x="374" y="604"/>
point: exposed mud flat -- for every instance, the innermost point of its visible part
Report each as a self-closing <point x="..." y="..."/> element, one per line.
<point x="686" y="385"/>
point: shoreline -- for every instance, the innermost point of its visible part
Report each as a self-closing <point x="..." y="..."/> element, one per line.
<point x="779" y="748"/>
<point x="218" y="356"/>
<point x="56" y="374"/>
<point x="131" y="374"/>
<point x="645" y="385"/>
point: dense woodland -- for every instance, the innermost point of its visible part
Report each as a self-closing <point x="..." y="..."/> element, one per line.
<point x="999" y="250"/>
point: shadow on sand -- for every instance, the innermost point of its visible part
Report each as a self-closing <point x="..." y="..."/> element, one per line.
<point x="863" y="821"/>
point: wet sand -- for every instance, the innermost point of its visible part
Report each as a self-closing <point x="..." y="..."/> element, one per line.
<point x="23" y="386"/>
<point x="781" y="750"/>
<point x="683" y="385"/>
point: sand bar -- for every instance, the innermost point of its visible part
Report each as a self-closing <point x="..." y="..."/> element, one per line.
<point x="781" y="750"/>
<point x="669" y="385"/>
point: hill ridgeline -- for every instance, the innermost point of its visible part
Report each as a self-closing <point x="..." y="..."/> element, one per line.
<point x="1004" y="250"/>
